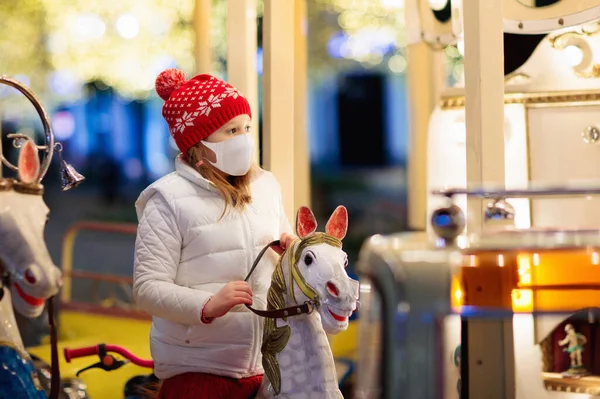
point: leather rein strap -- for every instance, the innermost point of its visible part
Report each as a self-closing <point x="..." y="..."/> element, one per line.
<point x="305" y="308"/>
<point x="55" y="378"/>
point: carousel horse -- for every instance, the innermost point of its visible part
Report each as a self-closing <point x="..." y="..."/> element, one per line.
<point x="310" y="296"/>
<point x="28" y="277"/>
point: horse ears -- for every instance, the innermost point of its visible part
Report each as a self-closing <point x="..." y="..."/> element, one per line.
<point x="306" y="223"/>
<point x="337" y="226"/>
<point x="29" y="163"/>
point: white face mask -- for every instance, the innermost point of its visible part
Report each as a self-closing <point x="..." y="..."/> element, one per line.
<point x="234" y="156"/>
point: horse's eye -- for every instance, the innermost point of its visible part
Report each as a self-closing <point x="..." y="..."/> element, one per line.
<point x="346" y="262"/>
<point x="308" y="259"/>
<point x="29" y="276"/>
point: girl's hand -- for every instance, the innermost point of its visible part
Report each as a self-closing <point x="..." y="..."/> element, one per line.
<point x="285" y="241"/>
<point x="234" y="293"/>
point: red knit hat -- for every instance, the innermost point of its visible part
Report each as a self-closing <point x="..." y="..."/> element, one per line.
<point x="197" y="108"/>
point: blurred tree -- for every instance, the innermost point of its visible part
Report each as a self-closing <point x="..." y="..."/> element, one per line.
<point x="349" y="34"/>
<point x="61" y="44"/>
<point x="21" y="45"/>
<point x="123" y="43"/>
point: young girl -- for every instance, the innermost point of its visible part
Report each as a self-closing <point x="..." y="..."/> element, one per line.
<point x="200" y="229"/>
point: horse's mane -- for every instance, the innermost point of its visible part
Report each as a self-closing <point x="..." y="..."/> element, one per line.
<point x="276" y="338"/>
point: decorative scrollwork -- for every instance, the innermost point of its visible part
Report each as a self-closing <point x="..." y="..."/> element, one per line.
<point x="585" y="68"/>
<point x="18" y="141"/>
<point x="516" y="78"/>
<point x="18" y="137"/>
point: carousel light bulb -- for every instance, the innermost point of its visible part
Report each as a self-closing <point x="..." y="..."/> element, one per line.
<point x="438" y="5"/>
<point x="574" y="55"/>
<point x="458" y="294"/>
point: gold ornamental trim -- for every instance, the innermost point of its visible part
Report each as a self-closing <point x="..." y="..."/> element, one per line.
<point x="554" y="382"/>
<point x="539" y="99"/>
<point x="20" y="187"/>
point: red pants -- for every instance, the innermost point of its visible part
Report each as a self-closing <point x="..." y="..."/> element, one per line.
<point x="208" y="386"/>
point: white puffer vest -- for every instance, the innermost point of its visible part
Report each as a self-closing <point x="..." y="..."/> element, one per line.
<point x="184" y="255"/>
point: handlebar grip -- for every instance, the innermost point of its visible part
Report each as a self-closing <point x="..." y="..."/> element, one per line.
<point x="80" y="352"/>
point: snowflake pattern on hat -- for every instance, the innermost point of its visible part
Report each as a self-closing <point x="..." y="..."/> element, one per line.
<point x="186" y="120"/>
<point x="212" y="102"/>
<point x="205" y="95"/>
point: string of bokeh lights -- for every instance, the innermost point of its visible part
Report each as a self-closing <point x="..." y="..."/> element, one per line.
<point x="125" y="45"/>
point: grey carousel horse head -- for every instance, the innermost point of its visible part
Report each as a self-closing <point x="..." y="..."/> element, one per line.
<point x="24" y="256"/>
<point x="25" y="263"/>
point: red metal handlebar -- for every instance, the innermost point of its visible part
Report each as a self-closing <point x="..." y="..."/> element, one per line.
<point x="94" y="350"/>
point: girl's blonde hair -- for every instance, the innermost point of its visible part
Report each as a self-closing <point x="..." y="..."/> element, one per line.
<point x="234" y="189"/>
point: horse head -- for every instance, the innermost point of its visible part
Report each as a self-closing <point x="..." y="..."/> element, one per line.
<point x="317" y="269"/>
<point x="24" y="258"/>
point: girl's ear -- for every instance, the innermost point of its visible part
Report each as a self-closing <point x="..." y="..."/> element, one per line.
<point x="337" y="226"/>
<point x="305" y="222"/>
<point x="29" y="162"/>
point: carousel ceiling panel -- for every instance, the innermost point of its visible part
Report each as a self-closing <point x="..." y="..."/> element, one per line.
<point x="544" y="16"/>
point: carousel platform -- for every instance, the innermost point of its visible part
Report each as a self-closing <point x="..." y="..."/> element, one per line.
<point x="558" y="383"/>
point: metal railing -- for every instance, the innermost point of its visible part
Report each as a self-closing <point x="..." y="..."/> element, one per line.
<point x="68" y="250"/>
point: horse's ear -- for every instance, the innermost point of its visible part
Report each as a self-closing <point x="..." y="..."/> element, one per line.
<point x="305" y="222"/>
<point x="29" y="163"/>
<point x="337" y="226"/>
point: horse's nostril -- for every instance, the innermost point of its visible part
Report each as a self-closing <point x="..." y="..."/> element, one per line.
<point x="333" y="290"/>
<point x="30" y="276"/>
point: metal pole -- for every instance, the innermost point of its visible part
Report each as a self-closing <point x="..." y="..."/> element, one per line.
<point x="202" y="48"/>
<point x="301" y="152"/>
<point x="241" y="55"/>
<point x="278" y="97"/>
<point x="420" y="83"/>
<point x="488" y="345"/>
